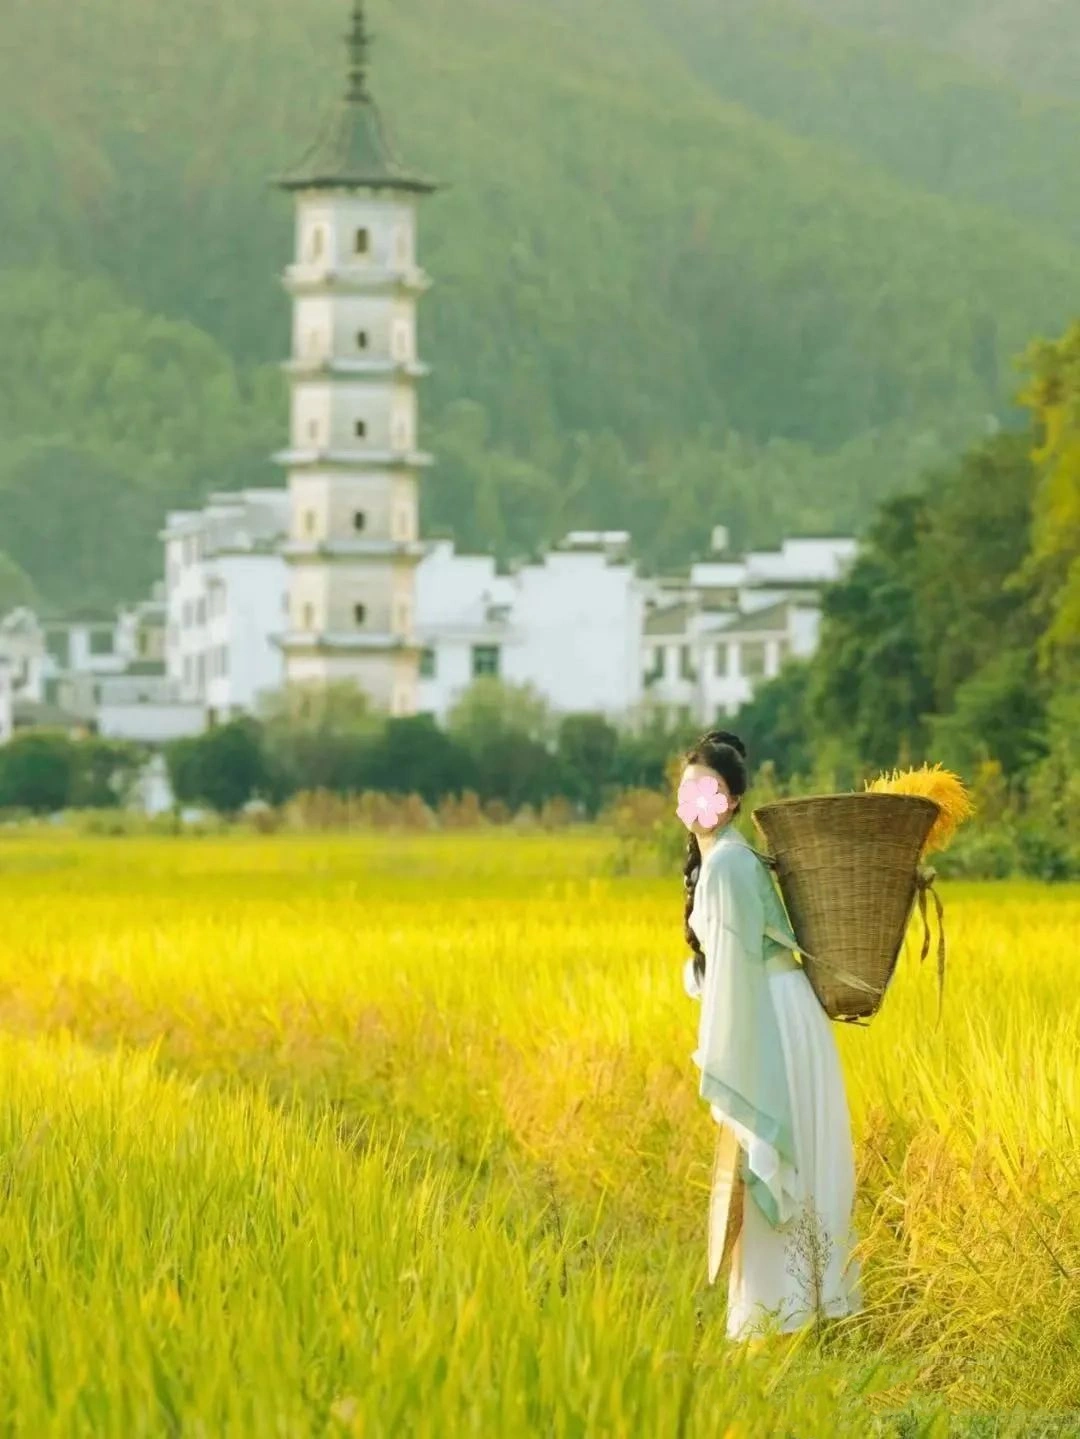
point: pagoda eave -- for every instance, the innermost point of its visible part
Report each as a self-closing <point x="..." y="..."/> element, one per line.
<point x="299" y="551"/>
<point x="354" y="279"/>
<point x="356" y="369"/>
<point x="352" y="460"/>
<point x="317" y="642"/>
<point x="372" y="184"/>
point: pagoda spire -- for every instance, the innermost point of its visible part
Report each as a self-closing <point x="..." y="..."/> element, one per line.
<point x="358" y="41"/>
<point x="354" y="151"/>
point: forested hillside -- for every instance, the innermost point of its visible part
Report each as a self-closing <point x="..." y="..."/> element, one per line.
<point x="755" y="268"/>
<point x="1035" y="43"/>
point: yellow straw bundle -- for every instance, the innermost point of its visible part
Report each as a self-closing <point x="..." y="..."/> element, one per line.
<point x="946" y="789"/>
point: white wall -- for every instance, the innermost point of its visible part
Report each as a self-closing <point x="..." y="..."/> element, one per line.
<point x="570" y="626"/>
<point x="244" y="660"/>
<point x="153" y="723"/>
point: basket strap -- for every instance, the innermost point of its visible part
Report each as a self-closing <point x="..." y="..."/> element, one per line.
<point x="925" y="877"/>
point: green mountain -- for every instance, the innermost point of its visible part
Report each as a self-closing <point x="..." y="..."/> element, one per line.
<point x="694" y="263"/>
<point x="1033" y="43"/>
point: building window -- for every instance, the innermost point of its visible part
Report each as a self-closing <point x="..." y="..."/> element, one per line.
<point x="359" y="521"/>
<point x="359" y="613"/>
<point x="686" y="664"/>
<point x="361" y="340"/>
<point x="309" y="617"/>
<point x="200" y="613"/>
<point x="363" y="242"/>
<point x="753" y="659"/>
<point x="722" y="654"/>
<point x="656" y="668"/>
<point x="361" y="429"/>
<point x="58" y="644"/>
<point x="427" y="663"/>
<point x="485" y="660"/>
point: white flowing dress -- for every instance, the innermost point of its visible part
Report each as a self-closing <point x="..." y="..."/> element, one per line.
<point x="784" y="1277"/>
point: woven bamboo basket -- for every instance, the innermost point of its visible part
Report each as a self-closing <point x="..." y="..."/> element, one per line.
<point x="849" y="872"/>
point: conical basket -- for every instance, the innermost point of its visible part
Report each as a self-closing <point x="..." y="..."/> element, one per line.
<point x="848" y="866"/>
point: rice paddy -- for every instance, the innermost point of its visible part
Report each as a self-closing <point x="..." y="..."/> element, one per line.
<point x="399" y="1135"/>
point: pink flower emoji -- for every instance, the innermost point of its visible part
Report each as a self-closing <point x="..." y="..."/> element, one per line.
<point x="700" y="801"/>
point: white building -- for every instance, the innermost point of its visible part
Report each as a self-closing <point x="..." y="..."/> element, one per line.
<point x="22" y="649"/>
<point x="731" y="624"/>
<point x="569" y="624"/>
<point x="225" y="600"/>
<point x="354" y="458"/>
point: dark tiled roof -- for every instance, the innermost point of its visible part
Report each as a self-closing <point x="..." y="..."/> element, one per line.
<point x="354" y="152"/>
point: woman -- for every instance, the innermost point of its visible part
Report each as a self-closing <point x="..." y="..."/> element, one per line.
<point x="770" y="1068"/>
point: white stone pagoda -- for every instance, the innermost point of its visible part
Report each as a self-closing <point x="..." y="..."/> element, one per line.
<point x="354" y="459"/>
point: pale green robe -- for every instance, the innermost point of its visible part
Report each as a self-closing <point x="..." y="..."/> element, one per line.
<point x="741" y="925"/>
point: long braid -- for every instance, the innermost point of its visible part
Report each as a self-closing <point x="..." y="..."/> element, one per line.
<point x="691" y="870"/>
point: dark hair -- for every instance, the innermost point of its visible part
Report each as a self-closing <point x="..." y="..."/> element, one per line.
<point x="724" y="752"/>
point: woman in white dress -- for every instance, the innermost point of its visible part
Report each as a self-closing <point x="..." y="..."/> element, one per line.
<point x="770" y="1070"/>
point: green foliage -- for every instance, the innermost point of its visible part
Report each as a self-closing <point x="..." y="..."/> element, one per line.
<point x="869" y="685"/>
<point x="491" y="708"/>
<point x="37" y="772"/>
<point x="224" y="768"/>
<point x="587" y="748"/>
<point x="775" y="721"/>
<point x="106" y="773"/>
<point x="415" y="756"/>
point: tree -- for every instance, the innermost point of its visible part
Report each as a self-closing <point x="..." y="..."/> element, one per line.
<point x="414" y="756"/>
<point x="320" y="737"/>
<point x="587" y="747"/>
<point x="106" y="772"/>
<point x="37" y="772"/>
<point x="774" y="724"/>
<point x="224" y="768"/>
<point x="868" y="688"/>
<point x="491" y="708"/>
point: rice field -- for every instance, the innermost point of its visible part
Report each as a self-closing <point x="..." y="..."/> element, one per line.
<point x="400" y="1136"/>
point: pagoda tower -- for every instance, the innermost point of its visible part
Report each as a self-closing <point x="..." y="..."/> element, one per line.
<point x="353" y="459"/>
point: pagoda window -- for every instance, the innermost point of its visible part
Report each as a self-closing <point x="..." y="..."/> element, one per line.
<point x="359" y="613"/>
<point x="361" y="339"/>
<point x="309" y="522"/>
<point x="359" y="521"/>
<point x="363" y="242"/>
<point x="309" y="617"/>
<point x="361" y="429"/>
<point x="316" y="243"/>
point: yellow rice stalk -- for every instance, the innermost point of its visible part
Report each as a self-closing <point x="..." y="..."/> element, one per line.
<point x="946" y="789"/>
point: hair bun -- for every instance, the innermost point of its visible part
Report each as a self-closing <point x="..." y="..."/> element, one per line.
<point x="723" y="736"/>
